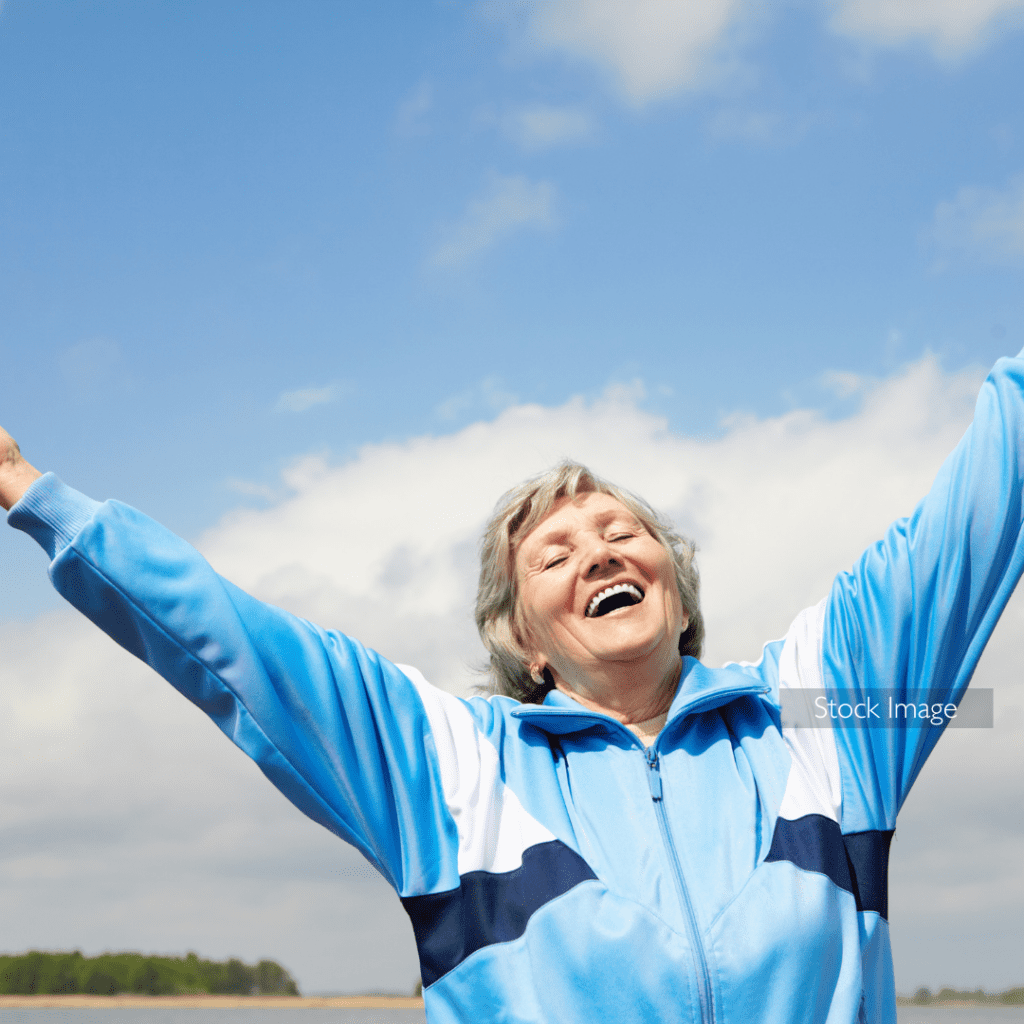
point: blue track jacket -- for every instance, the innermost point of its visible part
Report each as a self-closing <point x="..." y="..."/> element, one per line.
<point x="553" y="869"/>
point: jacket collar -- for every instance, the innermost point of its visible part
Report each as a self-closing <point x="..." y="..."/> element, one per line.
<point x="700" y="689"/>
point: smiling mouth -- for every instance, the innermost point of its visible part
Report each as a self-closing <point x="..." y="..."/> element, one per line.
<point x="622" y="595"/>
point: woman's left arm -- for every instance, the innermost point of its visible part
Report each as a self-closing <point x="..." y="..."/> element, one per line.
<point x="915" y="612"/>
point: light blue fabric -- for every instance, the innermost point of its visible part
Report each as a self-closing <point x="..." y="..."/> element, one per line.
<point x="695" y="906"/>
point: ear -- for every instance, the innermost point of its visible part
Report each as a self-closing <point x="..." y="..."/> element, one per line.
<point x="682" y="632"/>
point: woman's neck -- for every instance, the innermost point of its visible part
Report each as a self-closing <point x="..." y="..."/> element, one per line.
<point x="623" y="699"/>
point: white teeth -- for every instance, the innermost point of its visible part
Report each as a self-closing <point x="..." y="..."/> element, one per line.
<point x="619" y="588"/>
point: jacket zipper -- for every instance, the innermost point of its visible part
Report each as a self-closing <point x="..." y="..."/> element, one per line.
<point x="707" y="1012"/>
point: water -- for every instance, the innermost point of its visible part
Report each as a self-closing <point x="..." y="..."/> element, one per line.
<point x="180" y="1015"/>
<point x="965" y="1015"/>
<point x="302" y="1015"/>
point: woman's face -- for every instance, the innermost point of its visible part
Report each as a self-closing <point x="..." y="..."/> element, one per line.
<point x="595" y="588"/>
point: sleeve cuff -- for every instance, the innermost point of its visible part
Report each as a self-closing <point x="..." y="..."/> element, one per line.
<point x="52" y="513"/>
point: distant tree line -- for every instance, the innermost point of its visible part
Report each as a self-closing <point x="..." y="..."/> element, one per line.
<point x="37" y="973"/>
<point x="1011" y="997"/>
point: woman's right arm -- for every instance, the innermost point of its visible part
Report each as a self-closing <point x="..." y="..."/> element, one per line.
<point x="339" y="730"/>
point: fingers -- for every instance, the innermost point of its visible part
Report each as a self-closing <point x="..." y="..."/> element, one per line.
<point x="16" y="474"/>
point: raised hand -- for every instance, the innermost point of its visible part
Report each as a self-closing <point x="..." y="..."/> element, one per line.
<point x="16" y="475"/>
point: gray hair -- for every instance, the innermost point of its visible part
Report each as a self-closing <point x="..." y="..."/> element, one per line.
<point x="497" y="597"/>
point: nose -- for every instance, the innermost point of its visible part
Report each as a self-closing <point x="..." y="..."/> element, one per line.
<point x="601" y="558"/>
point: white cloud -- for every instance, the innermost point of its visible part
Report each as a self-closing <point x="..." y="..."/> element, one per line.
<point x="252" y="490"/>
<point x="982" y="224"/>
<point x="951" y="28"/>
<point x="651" y="48"/>
<point x="843" y="383"/>
<point x="305" y="398"/>
<point x="541" y="126"/>
<point x="508" y="204"/>
<point x="128" y="820"/>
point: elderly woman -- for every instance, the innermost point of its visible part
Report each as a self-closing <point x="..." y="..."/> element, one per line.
<point x="620" y="833"/>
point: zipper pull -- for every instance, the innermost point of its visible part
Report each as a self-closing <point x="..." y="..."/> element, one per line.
<point x="653" y="773"/>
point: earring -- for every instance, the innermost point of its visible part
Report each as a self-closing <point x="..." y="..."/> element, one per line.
<point x="543" y="678"/>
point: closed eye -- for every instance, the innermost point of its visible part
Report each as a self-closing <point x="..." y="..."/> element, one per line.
<point x="555" y="561"/>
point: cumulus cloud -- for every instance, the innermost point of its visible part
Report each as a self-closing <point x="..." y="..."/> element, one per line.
<point x="541" y="126"/>
<point x="651" y="48"/>
<point x="129" y="820"/>
<point x="305" y="398"/>
<point x="984" y="224"/>
<point x="951" y="28"/>
<point x="507" y="205"/>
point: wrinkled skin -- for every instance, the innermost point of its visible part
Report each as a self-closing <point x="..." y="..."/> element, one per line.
<point x="626" y="662"/>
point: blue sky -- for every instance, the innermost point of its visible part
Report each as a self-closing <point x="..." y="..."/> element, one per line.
<point x="244" y="247"/>
<point x="208" y="206"/>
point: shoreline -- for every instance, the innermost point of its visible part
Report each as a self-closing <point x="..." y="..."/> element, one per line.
<point x="953" y="1004"/>
<point x="129" y="1001"/>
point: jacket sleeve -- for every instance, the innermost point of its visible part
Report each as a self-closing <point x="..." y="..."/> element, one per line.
<point x="915" y="612"/>
<point x="339" y="730"/>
